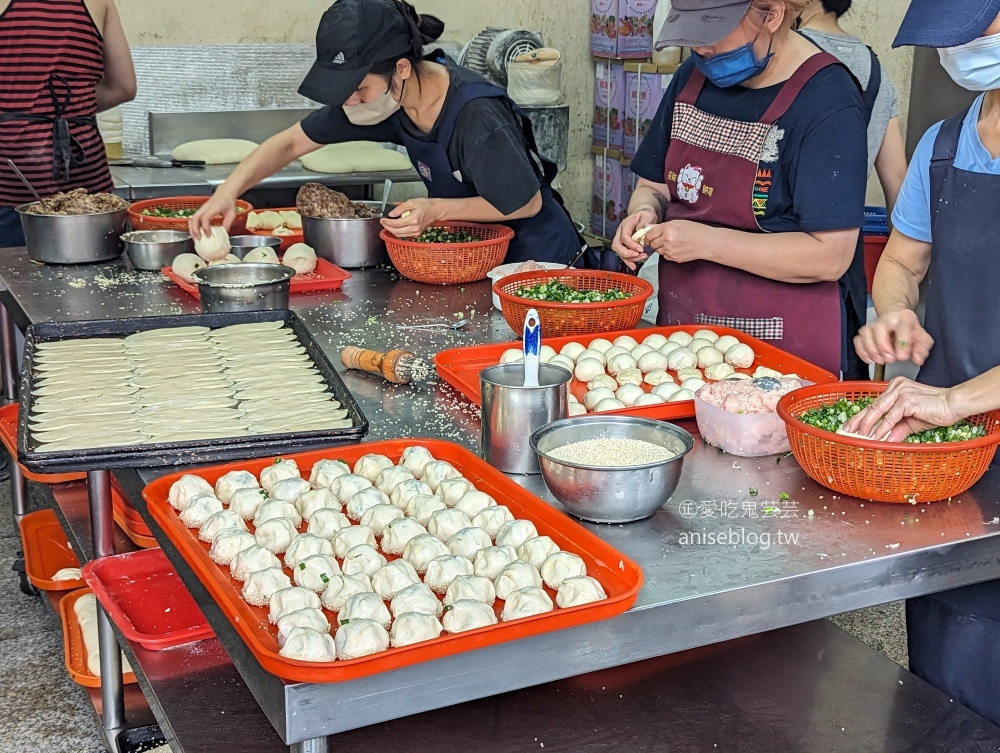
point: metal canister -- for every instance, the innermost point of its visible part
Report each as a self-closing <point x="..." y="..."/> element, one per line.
<point x="511" y="412"/>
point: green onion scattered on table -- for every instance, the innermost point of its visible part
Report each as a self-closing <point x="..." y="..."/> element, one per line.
<point x="833" y="417"/>
<point x="558" y="292"/>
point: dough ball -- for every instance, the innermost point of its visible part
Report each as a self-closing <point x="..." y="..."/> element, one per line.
<point x="718" y="372"/>
<point x="215" y="151"/>
<point x="706" y="334"/>
<point x="616" y="351"/>
<point x="600" y="344"/>
<point x="655" y="341"/>
<point x="587" y="369"/>
<point x="681" y="338"/>
<point x="626" y="342"/>
<point x="283" y="232"/>
<point x="680" y="396"/>
<point x="628" y="394"/>
<point x="596" y="355"/>
<point x="666" y="390"/>
<point x="669" y="347"/>
<point x="621" y="362"/>
<point x="603" y="380"/>
<point x="697" y="344"/>
<point x="565" y="361"/>
<point x="609" y="404"/>
<point x="640" y="350"/>
<point x="230" y="259"/>
<point x="572" y="351"/>
<point x="693" y="384"/>
<point x="725" y="342"/>
<point x="648" y="399"/>
<point x="594" y="397"/>
<point x="692" y="373"/>
<point x="740" y="356"/>
<point x="629" y="376"/>
<point x="267" y="220"/>
<point x="512" y="355"/>
<point x="261" y="255"/>
<point x="709" y="356"/>
<point x="214" y="245"/>
<point x="682" y="358"/>
<point x="546" y="353"/>
<point x="652" y="361"/>
<point x="291" y="219"/>
<point x="763" y="371"/>
<point x="301" y="258"/>
<point x="575" y="409"/>
<point x="253" y="221"/>
<point x="185" y="264"/>
<point x="657" y="376"/>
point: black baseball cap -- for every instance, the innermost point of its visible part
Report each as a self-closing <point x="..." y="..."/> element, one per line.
<point x="354" y="35"/>
<point x="945" y="23"/>
<point x="701" y="23"/>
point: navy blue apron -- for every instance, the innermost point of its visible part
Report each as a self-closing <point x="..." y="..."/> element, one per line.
<point x="954" y="636"/>
<point x="548" y="236"/>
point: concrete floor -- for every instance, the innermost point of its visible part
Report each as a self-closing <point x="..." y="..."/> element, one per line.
<point x="43" y="710"/>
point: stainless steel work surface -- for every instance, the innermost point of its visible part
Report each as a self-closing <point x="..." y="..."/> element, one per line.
<point x="717" y="565"/>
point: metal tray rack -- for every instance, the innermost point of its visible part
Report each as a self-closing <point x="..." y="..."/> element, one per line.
<point x="180" y="453"/>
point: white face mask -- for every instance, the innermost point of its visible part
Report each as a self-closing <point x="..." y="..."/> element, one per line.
<point x="974" y="66"/>
<point x="376" y="111"/>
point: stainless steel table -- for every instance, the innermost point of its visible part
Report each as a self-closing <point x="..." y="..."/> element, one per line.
<point x="717" y="566"/>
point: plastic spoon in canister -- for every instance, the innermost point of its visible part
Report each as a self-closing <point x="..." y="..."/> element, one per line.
<point x="532" y="344"/>
<point x="24" y="180"/>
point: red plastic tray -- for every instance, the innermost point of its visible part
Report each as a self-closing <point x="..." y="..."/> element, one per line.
<point x="76" y="653"/>
<point x="620" y="576"/>
<point x="146" y="599"/>
<point x="8" y="435"/>
<point x="460" y="367"/>
<point x="326" y="277"/>
<point x="47" y="551"/>
<point x="286" y="240"/>
<point x="129" y="520"/>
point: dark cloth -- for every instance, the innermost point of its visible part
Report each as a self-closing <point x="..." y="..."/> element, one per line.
<point x="11" y="232"/>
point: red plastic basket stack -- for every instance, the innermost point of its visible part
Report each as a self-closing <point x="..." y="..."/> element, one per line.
<point x="450" y="263"/>
<point x="564" y="319"/>
<point x="140" y="221"/>
<point x="878" y="471"/>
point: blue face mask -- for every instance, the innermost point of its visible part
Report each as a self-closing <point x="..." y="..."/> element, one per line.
<point x="734" y="67"/>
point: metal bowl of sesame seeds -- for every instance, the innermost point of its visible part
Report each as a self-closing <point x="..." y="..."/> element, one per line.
<point x="611" y="469"/>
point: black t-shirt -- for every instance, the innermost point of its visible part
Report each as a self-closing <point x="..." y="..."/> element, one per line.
<point x="818" y="158"/>
<point x="487" y="148"/>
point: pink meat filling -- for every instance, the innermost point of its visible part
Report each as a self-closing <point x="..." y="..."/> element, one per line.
<point x="745" y="397"/>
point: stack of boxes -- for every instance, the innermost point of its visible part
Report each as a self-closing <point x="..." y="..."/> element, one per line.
<point x="628" y="89"/>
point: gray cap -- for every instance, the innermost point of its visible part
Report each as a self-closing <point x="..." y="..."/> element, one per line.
<point x="701" y="23"/>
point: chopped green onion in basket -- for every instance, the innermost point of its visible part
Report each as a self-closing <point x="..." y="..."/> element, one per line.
<point x="443" y="235"/>
<point x="559" y="292"/>
<point x="833" y="417"/>
<point x="165" y="212"/>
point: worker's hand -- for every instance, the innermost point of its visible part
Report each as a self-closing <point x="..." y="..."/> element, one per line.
<point x="905" y="408"/>
<point x="897" y="336"/>
<point x="630" y="251"/>
<point x="680" y="240"/>
<point x="201" y="222"/>
<point x="411" y="218"/>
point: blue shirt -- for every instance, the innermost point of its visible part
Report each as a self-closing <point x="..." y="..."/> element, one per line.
<point x="912" y="214"/>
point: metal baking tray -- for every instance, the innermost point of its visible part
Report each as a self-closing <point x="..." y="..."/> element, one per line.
<point x="179" y="453"/>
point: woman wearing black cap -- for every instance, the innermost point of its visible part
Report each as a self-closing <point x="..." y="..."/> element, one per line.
<point x="473" y="150"/>
<point x="753" y="180"/>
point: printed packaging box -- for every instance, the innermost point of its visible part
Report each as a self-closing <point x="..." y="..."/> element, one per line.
<point x="607" y="208"/>
<point x="645" y="87"/>
<point x="629" y="179"/>
<point x="622" y="28"/>
<point x="609" y="106"/>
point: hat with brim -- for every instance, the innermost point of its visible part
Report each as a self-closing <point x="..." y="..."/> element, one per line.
<point x="332" y="86"/>
<point x="701" y="23"/>
<point x="945" y="23"/>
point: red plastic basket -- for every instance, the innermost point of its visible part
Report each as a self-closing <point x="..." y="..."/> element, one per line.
<point x="141" y="221"/>
<point x="450" y="263"/>
<point x="563" y="319"/>
<point x="877" y="471"/>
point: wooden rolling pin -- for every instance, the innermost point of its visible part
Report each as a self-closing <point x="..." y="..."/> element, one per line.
<point x="397" y="366"/>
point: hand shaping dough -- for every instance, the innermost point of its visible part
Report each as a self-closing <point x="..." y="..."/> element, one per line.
<point x="215" y="151"/>
<point x="214" y="246"/>
<point x="355" y="157"/>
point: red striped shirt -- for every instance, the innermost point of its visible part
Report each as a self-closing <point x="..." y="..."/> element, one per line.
<point x="40" y="39"/>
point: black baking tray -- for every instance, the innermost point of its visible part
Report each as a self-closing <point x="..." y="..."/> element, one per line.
<point x="140" y="739"/>
<point x="180" y="453"/>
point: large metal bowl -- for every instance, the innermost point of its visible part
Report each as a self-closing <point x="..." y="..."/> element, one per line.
<point x="351" y="244"/>
<point x="241" y="245"/>
<point x="73" y="238"/>
<point x="152" y="250"/>
<point x="243" y="287"/>
<point x="611" y="495"/>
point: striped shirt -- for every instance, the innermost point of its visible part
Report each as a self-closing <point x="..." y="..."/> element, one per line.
<point x="51" y="59"/>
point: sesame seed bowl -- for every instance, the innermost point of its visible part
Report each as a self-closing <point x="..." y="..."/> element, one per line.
<point x="611" y="469"/>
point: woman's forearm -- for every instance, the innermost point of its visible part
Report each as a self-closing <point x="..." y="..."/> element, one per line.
<point x="785" y="257"/>
<point x="900" y="270"/>
<point x="478" y="209"/>
<point x="978" y="395"/>
<point x="650" y="198"/>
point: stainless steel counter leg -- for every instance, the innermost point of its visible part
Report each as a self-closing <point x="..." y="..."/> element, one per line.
<point x="103" y="527"/>
<point x="8" y="356"/>
<point x="316" y="745"/>
<point x="18" y="490"/>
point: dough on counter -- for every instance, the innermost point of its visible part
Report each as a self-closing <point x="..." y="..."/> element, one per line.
<point x="301" y="258"/>
<point x="413" y="627"/>
<point x="360" y="638"/>
<point x="306" y="644"/>
<point x="526" y="602"/>
<point x="559" y="566"/>
<point x="467" y="614"/>
<point x="579" y="590"/>
<point x="261" y="256"/>
<point x="215" y="151"/>
<point x="441" y="571"/>
<point x="491" y="561"/>
<point x="185" y="264"/>
<point x="343" y="587"/>
<point x="355" y="157"/>
<point x="214" y="246"/>
<point x="420" y="550"/>
<point x="392" y="578"/>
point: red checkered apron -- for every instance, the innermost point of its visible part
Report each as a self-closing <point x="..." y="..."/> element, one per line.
<point x="717" y="176"/>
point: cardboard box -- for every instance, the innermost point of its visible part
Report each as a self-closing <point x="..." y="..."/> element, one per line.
<point x="622" y="28"/>
<point x="606" y="211"/>
<point x="645" y="88"/>
<point x="629" y="180"/>
<point x="609" y="105"/>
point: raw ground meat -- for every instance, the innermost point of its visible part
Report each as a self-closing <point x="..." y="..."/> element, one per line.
<point x="754" y="397"/>
<point x="77" y="201"/>
<point x="315" y="200"/>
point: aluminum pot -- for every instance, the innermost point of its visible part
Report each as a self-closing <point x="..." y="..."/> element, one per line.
<point x="241" y="245"/>
<point x="73" y="238"/>
<point x="611" y="494"/>
<point x="350" y="244"/>
<point x="152" y="250"/>
<point x="243" y="287"/>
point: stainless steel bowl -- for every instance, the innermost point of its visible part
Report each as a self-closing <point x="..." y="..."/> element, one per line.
<point x="351" y="244"/>
<point x="241" y="245"/>
<point x="152" y="250"/>
<point x="243" y="287"/>
<point x="73" y="238"/>
<point x="611" y="495"/>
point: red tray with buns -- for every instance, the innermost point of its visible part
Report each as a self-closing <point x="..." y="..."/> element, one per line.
<point x="327" y="276"/>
